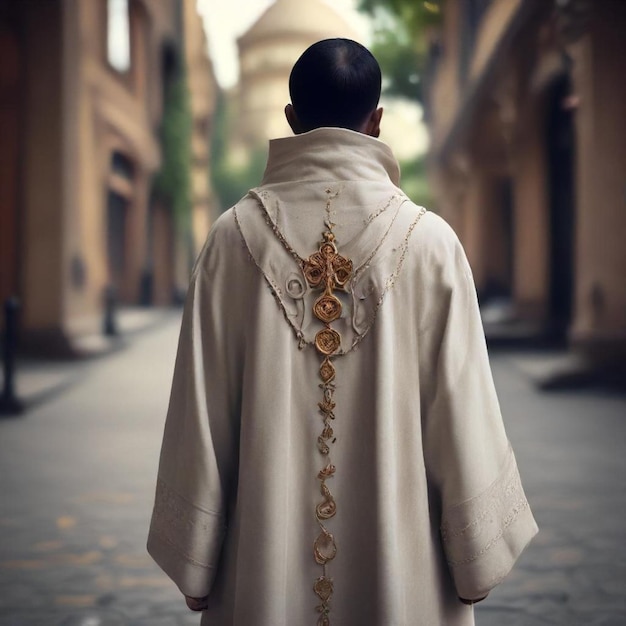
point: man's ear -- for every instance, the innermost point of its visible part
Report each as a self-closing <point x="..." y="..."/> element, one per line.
<point x="292" y="119"/>
<point x="372" y="126"/>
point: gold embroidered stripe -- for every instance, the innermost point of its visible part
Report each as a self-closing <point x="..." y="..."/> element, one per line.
<point x="327" y="270"/>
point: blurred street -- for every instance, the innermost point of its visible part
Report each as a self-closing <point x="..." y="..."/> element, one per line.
<point x="77" y="476"/>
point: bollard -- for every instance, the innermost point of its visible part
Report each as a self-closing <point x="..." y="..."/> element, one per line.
<point x="110" y="325"/>
<point x="9" y="402"/>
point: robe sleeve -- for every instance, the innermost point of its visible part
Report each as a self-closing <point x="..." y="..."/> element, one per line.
<point x="198" y="458"/>
<point x="486" y="521"/>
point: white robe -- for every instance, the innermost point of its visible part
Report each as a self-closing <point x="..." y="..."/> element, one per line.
<point x="429" y="501"/>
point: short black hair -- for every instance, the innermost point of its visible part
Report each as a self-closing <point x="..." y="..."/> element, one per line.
<point x="336" y="82"/>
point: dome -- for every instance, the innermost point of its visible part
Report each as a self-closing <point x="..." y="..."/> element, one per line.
<point x="309" y="19"/>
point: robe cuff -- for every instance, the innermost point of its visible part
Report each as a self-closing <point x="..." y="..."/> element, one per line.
<point x="484" y="536"/>
<point x="185" y="541"/>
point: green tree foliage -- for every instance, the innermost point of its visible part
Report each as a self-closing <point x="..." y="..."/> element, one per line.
<point x="219" y="137"/>
<point x="415" y="182"/>
<point x="231" y="182"/>
<point x="400" y="41"/>
<point x="173" y="182"/>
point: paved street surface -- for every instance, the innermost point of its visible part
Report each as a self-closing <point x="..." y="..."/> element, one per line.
<point x="77" y="476"/>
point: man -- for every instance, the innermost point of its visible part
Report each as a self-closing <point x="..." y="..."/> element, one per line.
<point x="334" y="451"/>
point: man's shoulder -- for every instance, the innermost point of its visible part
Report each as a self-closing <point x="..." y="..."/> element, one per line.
<point x="437" y="251"/>
<point x="225" y="228"/>
<point x="225" y="224"/>
<point x="433" y="235"/>
<point x="224" y="239"/>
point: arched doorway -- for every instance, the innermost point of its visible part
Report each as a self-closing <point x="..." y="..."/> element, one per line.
<point x="120" y="194"/>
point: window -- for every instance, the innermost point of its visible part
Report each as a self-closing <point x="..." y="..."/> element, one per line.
<point x="122" y="165"/>
<point x="118" y="35"/>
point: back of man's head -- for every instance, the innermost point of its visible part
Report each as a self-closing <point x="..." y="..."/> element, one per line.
<point x="336" y="82"/>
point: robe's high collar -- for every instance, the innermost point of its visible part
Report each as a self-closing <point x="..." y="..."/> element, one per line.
<point x="330" y="154"/>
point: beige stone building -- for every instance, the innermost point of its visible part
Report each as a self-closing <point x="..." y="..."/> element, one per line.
<point x="526" y="102"/>
<point x="81" y="91"/>
<point x="267" y="52"/>
<point x="203" y="94"/>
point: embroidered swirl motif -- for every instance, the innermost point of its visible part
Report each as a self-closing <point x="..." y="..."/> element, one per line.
<point x="326" y="269"/>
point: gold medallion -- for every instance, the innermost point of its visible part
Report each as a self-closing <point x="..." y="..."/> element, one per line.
<point x="324" y="548"/>
<point x="326" y="510"/>
<point x="323" y="588"/>
<point x="327" y="370"/>
<point x="327" y="341"/>
<point x="327" y="308"/>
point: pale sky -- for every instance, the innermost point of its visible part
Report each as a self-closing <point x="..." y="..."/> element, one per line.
<point x="226" y="20"/>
